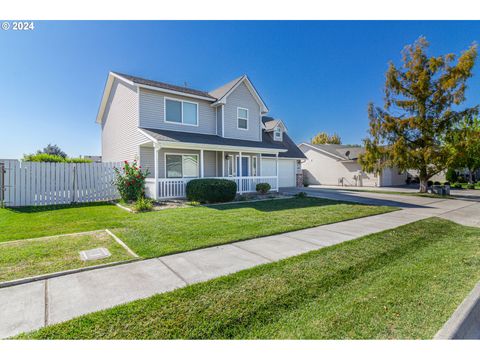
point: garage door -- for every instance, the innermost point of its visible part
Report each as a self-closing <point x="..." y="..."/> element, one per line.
<point x="286" y="173"/>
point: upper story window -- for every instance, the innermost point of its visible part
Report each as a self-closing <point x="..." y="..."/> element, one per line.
<point x="242" y="118"/>
<point x="277" y="134"/>
<point x="181" y="112"/>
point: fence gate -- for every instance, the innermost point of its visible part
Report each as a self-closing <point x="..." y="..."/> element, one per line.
<point x="2" y="184"/>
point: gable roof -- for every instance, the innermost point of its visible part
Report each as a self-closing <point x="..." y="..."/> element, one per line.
<point x="338" y="151"/>
<point x="220" y="92"/>
<point x="165" y="86"/>
<point x="216" y="96"/>
<point x="207" y="139"/>
<point x="223" y="91"/>
<point x="269" y="123"/>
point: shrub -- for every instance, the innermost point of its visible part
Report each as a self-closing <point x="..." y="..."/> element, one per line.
<point x="451" y="175"/>
<point x="457" y="186"/>
<point x="143" y="204"/>
<point x="446" y="183"/>
<point x="53" y="158"/>
<point x="263" y="188"/>
<point x="77" y="160"/>
<point x="43" y="158"/>
<point x="470" y="186"/>
<point x="437" y="183"/>
<point x="211" y="190"/>
<point x="130" y="181"/>
<point x="301" y="195"/>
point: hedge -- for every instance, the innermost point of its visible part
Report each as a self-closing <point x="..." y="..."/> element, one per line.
<point x="211" y="190"/>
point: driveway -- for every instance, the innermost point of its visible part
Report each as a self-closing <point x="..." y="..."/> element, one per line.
<point x="464" y="210"/>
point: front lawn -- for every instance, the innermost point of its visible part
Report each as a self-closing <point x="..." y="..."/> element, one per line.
<point x="36" y="221"/>
<point x="170" y="231"/>
<point x="401" y="283"/>
<point x="25" y="258"/>
<point x="174" y="230"/>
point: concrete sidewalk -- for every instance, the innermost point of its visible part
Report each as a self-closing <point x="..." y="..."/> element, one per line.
<point x="34" y="305"/>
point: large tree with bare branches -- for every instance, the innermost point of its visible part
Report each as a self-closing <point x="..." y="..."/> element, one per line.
<point x="422" y="105"/>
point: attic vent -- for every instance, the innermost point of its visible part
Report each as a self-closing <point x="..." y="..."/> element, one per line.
<point x="347" y="154"/>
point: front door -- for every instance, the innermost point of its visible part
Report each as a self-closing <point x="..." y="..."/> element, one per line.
<point x="245" y="167"/>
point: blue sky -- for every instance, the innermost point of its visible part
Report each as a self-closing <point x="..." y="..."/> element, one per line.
<point x="316" y="75"/>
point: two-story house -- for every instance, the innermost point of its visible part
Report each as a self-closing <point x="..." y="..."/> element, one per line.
<point x="178" y="134"/>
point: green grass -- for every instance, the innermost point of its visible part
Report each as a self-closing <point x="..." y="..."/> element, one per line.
<point x="175" y="230"/>
<point x="32" y="222"/>
<point x="402" y="283"/>
<point x="169" y="231"/>
<point x="27" y="258"/>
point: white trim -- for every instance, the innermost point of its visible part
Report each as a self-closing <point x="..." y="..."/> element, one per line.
<point x="165" y="98"/>
<point x="275" y="131"/>
<point x="202" y="164"/>
<point x="173" y="92"/>
<point x="241" y="170"/>
<point x="242" y="118"/>
<point x="223" y="120"/>
<point x="182" y="155"/>
<point x="250" y="87"/>
<point x="196" y="146"/>
<point x="147" y="135"/>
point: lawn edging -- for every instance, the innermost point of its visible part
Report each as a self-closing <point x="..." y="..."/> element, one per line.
<point x="465" y="321"/>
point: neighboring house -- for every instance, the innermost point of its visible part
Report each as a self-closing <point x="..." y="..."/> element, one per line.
<point x="93" y="158"/>
<point x="179" y="133"/>
<point x="329" y="164"/>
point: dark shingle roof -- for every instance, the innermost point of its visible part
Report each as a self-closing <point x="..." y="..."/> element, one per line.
<point x="180" y="136"/>
<point x="166" y="86"/>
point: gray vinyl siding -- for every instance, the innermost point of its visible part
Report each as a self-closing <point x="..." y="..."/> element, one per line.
<point x="219" y="120"/>
<point x="147" y="160"/>
<point x="120" y="138"/>
<point x="241" y="97"/>
<point x="152" y="113"/>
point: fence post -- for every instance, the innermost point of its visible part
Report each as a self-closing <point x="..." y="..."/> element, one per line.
<point x="2" y="184"/>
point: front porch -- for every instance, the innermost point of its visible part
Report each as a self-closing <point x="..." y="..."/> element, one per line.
<point x="171" y="168"/>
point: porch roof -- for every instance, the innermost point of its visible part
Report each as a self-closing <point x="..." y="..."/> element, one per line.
<point x="178" y="137"/>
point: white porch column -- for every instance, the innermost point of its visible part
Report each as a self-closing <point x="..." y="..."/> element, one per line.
<point x="201" y="163"/>
<point x="223" y="163"/>
<point x="156" y="149"/>
<point x="240" y="172"/>
<point x="259" y="170"/>
<point x="276" y="158"/>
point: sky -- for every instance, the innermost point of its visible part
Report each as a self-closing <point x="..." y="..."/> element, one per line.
<point x="314" y="75"/>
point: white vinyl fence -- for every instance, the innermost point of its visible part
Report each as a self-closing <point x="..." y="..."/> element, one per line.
<point x="41" y="183"/>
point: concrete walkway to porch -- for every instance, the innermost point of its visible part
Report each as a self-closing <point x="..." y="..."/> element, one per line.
<point x="34" y="305"/>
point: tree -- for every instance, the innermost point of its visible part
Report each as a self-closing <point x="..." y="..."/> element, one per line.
<point x="420" y="109"/>
<point x="324" y="138"/>
<point x="52" y="150"/>
<point x="464" y="142"/>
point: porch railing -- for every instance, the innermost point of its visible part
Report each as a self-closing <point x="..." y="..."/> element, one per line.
<point x="175" y="188"/>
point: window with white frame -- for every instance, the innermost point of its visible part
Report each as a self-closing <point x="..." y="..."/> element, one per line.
<point x="181" y="112"/>
<point x="242" y="118"/>
<point x="181" y="166"/>
<point x="277" y="134"/>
